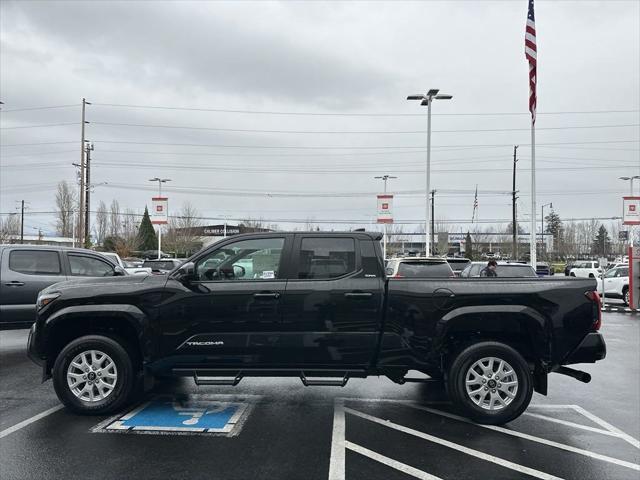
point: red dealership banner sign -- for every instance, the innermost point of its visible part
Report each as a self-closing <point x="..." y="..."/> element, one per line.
<point x="159" y="210"/>
<point x="385" y="208"/>
<point x="631" y="210"/>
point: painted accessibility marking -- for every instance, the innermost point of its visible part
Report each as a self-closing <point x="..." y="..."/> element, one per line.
<point x="200" y="414"/>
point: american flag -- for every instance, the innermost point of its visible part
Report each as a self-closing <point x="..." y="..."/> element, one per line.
<point x="531" y="52"/>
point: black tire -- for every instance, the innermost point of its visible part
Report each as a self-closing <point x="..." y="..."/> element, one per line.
<point x="124" y="385"/>
<point x="591" y="275"/>
<point x="456" y="383"/>
<point x="625" y="296"/>
<point x="572" y="274"/>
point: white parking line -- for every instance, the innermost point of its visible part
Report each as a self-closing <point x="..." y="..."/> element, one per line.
<point x="574" y="425"/>
<point x="626" y="437"/>
<point x="29" y="421"/>
<point x="469" y="451"/>
<point x="336" y="461"/>
<point x="390" y="462"/>
<point x="526" y="436"/>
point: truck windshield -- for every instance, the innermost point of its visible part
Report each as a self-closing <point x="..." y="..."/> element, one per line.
<point x="424" y="270"/>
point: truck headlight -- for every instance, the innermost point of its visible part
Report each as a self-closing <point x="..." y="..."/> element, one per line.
<point x="45" y="299"/>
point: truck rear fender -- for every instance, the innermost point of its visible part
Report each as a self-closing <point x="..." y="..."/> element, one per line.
<point x="520" y="326"/>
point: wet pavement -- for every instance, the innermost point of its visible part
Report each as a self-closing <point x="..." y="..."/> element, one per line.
<point x="371" y="429"/>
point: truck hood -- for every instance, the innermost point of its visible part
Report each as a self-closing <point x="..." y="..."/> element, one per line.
<point x="111" y="284"/>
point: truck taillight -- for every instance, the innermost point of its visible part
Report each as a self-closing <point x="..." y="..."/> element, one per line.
<point x="397" y="275"/>
<point x="597" y="314"/>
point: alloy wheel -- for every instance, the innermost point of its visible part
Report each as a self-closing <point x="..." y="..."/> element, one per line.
<point x="491" y="383"/>
<point x="92" y="376"/>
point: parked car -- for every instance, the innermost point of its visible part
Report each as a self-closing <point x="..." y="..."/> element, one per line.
<point x="504" y="270"/>
<point x="586" y="269"/>
<point x="543" y="269"/>
<point x="458" y="264"/>
<point x="130" y="269"/>
<point x="27" y="269"/>
<point x="616" y="283"/>
<point x="153" y="254"/>
<point x="161" y="267"/>
<point x="419" y="267"/>
<point x="492" y="342"/>
<point x="568" y="267"/>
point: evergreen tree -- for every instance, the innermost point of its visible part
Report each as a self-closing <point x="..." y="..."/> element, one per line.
<point x="147" y="239"/>
<point x="553" y="225"/>
<point x="601" y="243"/>
<point x="468" y="247"/>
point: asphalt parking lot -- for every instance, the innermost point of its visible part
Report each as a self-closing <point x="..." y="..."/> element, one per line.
<point x="373" y="428"/>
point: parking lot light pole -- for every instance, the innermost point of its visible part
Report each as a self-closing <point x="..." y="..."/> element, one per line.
<point x="426" y="99"/>
<point x="630" y="179"/>
<point x="384" y="178"/>
<point x="160" y="182"/>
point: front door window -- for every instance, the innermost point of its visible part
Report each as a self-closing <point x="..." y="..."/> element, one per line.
<point x="243" y="260"/>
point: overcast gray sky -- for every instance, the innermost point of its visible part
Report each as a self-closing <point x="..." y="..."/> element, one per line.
<point x="338" y="58"/>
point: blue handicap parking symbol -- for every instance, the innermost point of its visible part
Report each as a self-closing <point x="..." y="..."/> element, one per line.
<point x="196" y="414"/>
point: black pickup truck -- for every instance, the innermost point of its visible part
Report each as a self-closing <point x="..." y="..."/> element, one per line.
<point x="315" y="306"/>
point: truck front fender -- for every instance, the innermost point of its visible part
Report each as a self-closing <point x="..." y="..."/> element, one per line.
<point x="93" y="315"/>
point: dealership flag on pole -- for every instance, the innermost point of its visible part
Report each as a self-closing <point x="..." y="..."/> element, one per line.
<point x="531" y="52"/>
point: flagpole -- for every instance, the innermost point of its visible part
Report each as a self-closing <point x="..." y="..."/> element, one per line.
<point x="532" y="233"/>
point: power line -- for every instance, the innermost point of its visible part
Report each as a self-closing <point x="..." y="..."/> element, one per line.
<point x="347" y="114"/>
<point x="346" y="147"/>
<point x="42" y="125"/>
<point x="39" y="108"/>
<point x="346" y="132"/>
<point x="36" y="143"/>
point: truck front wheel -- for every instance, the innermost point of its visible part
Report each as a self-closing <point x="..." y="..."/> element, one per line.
<point x="94" y="375"/>
<point x="490" y="383"/>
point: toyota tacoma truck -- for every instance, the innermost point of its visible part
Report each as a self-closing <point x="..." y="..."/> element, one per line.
<point x="316" y="306"/>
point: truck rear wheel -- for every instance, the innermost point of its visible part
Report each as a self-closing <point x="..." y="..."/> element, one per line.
<point x="94" y="375"/>
<point x="490" y="383"/>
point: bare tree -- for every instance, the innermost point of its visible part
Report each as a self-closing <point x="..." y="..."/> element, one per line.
<point x="9" y="227"/>
<point x="115" y="219"/>
<point x="102" y="222"/>
<point x="128" y="237"/>
<point x="182" y="236"/>
<point x="65" y="204"/>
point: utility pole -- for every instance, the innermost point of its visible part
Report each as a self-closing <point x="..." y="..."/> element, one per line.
<point x="433" y="195"/>
<point x="22" y="222"/>
<point x="83" y="183"/>
<point x="87" y="212"/>
<point x="514" y="221"/>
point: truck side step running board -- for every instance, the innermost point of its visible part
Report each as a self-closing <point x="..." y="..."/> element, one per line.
<point x="231" y="381"/>
<point x="327" y="382"/>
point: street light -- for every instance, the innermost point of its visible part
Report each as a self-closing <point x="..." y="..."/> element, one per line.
<point x="542" y="231"/>
<point x="160" y="182"/>
<point x="631" y="179"/>
<point x="384" y="178"/>
<point x="427" y="99"/>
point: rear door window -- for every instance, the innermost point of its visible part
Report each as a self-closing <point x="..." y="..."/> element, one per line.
<point x="475" y="270"/>
<point x="35" y="262"/>
<point x="515" y="271"/>
<point x="425" y="270"/>
<point x="322" y="258"/>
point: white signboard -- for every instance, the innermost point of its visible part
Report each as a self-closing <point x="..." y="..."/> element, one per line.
<point x="631" y="210"/>
<point x="159" y="210"/>
<point x="385" y="208"/>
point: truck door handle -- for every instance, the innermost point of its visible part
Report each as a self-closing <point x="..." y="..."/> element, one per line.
<point x="358" y="294"/>
<point x="15" y="284"/>
<point x="267" y="295"/>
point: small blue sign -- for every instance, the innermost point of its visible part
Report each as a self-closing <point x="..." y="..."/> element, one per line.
<point x="194" y="414"/>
